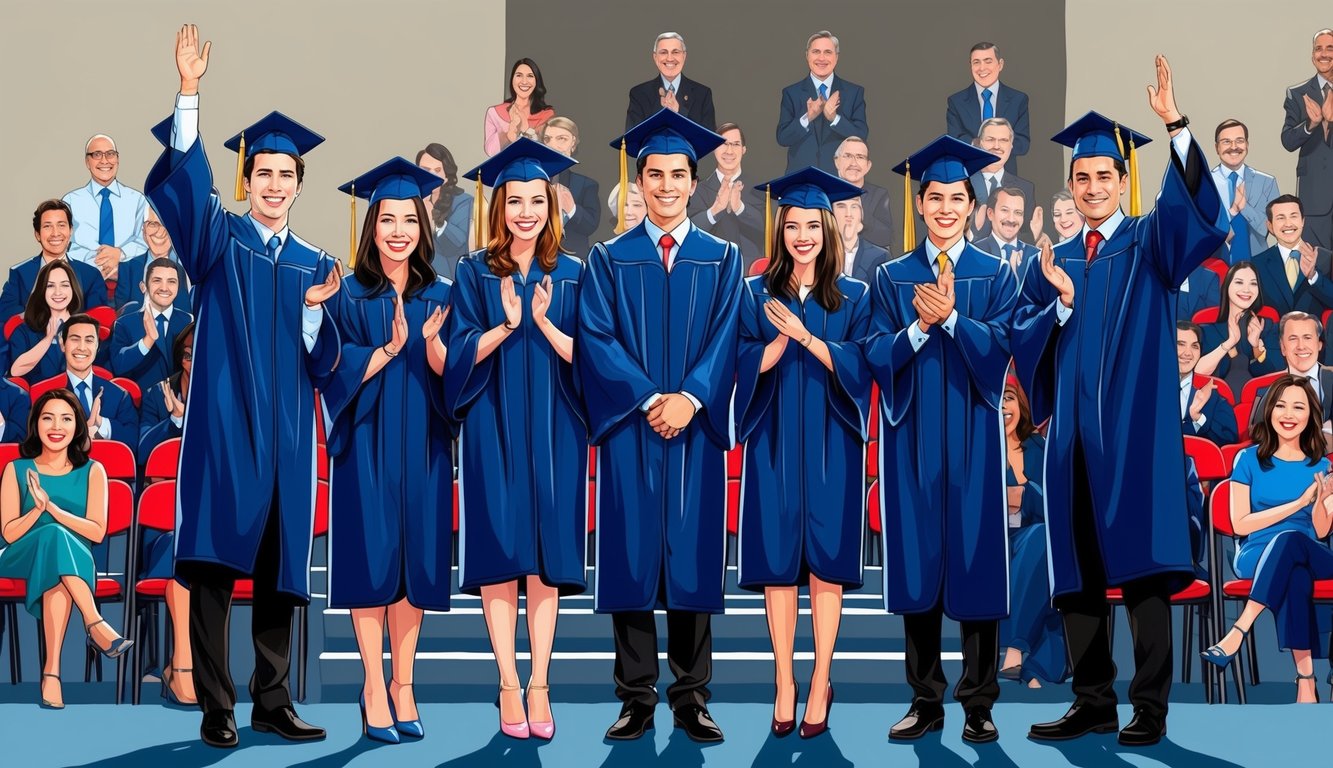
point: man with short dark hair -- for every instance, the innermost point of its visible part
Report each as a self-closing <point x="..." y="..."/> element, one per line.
<point x="1245" y="191"/>
<point x="1005" y="211"/>
<point x="1306" y="131"/>
<point x="671" y="89"/>
<point x="853" y="163"/>
<point x="110" y="411"/>
<point x="1293" y="274"/>
<point x="1203" y="412"/>
<point x="987" y="98"/>
<point x="820" y="110"/>
<point x="52" y="224"/>
<point x="141" y="341"/>
<point x="723" y="206"/>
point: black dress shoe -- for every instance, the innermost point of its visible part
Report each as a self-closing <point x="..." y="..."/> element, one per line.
<point x="697" y="723"/>
<point x="635" y="720"/>
<point x="284" y="722"/>
<point x="918" y="721"/>
<point x="219" y="729"/>
<point x="979" y="728"/>
<point x="1079" y="720"/>
<point x="1143" y="731"/>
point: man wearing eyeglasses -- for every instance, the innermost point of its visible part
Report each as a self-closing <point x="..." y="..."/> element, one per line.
<point x="853" y="163"/>
<point x="671" y="89"/>
<point x="108" y="216"/>
<point x="722" y="205"/>
<point x="1245" y="191"/>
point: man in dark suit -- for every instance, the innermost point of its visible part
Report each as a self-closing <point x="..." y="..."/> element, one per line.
<point x="1309" y="108"/>
<point x="853" y="163"/>
<point x="723" y="206"/>
<point x="1299" y="338"/>
<point x="1203" y="412"/>
<point x="52" y="223"/>
<point x="142" y="340"/>
<point x="1293" y="275"/>
<point x="997" y="137"/>
<point x="821" y="110"/>
<point x="986" y="98"/>
<point x="578" y="196"/>
<point x="110" y="411"/>
<point x="1004" y="211"/>
<point x="861" y="257"/>
<point x="670" y="89"/>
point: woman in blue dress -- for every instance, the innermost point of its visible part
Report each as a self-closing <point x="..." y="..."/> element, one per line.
<point x="802" y="400"/>
<point x="523" y="451"/>
<point x="391" y="488"/>
<point x="52" y="511"/>
<point x="1281" y="506"/>
<point x="1034" y="626"/>
<point x="35" y="343"/>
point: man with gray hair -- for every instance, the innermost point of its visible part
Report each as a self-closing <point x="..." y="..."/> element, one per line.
<point x="985" y="98"/>
<point x="821" y="109"/>
<point x="671" y="89"/>
<point x="997" y="137"/>
<point x="108" y="216"/>
<point x="852" y="159"/>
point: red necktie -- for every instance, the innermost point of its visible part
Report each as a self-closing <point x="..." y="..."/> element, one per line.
<point x="666" y="244"/>
<point x="1095" y="239"/>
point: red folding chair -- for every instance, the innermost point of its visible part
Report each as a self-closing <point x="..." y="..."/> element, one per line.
<point x="116" y="458"/>
<point x="874" y="521"/>
<point x="12" y="325"/>
<point x="131" y="388"/>
<point x="164" y="461"/>
<point x="1250" y="392"/>
<point x="20" y="382"/>
<point x="733" y="506"/>
<point x="12" y="593"/>
<point x="757" y="268"/>
<point x="1217" y="267"/>
<point x="735" y="462"/>
<point x="872" y="459"/>
<point x="106" y="320"/>
<point x="1210" y="314"/>
<point x="157" y="512"/>
<point x="1209" y="462"/>
<point x="1223" y="388"/>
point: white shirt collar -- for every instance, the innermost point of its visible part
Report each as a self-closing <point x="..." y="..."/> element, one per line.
<point x="75" y="381"/>
<point x="1287" y="253"/>
<point x="1313" y="373"/>
<point x="95" y="189"/>
<point x="955" y="250"/>
<point x="1224" y="173"/>
<point x="995" y="234"/>
<point x="1108" y="227"/>
<point x="1187" y="380"/>
<point x="678" y="234"/>
<point x="1322" y="82"/>
<point x="673" y="84"/>
<point x="721" y="177"/>
<point x="265" y="233"/>
<point x="164" y="313"/>
<point x="828" y="82"/>
<point x="994" y="91"/>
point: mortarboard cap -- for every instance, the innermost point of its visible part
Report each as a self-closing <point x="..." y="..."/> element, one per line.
<point x="664" y="133"/>
<point x="1095" y="135"/>
<point x="523" y="160"/>
<point x="945" y="160"/>
<point x="807" y="188"/>
<point x="275" y="132"/>
<point x="394" y="179"/>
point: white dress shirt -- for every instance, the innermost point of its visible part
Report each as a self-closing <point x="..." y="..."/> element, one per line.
<point x="128" y="208"/>
<point x="103" y="431"/>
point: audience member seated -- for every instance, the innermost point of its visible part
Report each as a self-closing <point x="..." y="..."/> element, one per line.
<point x="34" y="344"/>
<point x="52" y="511"/>
<point x="722" y="205"/>
<point x="1295" y="275"/>
<point x="1064" y="216"/>
<point x="821" y="109"/>
<point x="108" y="216"/>
<point x="635" y="209"/>
<point x="860" y="256"/>
<point x="1300" y="338"/>
<point x="162" y="412"/>
<point x="1034" y="627"/>
<point x="1005" y="209"/>
<point x="577" y="195"/>
<point x="853" y="163"/>
<point x="1203" y="412"/>
<point x="14" y="407"/>
<point x="1240" y="343"/>
<point x="130" y="280"/>
<point x="141" y="341"/>
<point x="51" y="224"/>
<point x="522" y="113"/>
<point x="109" y="410"/>
<point x="450" y="209"/>
<point x="997" y="138"/>
<point x="986" y="98"/>
<point x="1281" y="506"/>
<point x="1245" y="191"/>
<point x="671" y="89"/>
<point x="1198" y="291"/>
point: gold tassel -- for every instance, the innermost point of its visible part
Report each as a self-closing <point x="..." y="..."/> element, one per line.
<point x="240" y="170"/>
<point x="909" y="215"/>
<point x="351" y="259"/>
<point x="1135" y="199"/>
<point x="478" y="206"/>
<point x="622" y="200"/>
<point x="768" y="221"/>
<point x="557" y="226"/>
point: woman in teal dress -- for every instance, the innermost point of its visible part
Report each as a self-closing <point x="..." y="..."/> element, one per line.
<point x="52" y="510"/>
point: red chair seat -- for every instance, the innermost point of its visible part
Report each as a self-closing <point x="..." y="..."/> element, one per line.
<point x="872" y="459"/>
<point x="244" y="590"/>
<point x="733" y="506"/>
<point x="1323" y="589"/>
<point x="107" y="589"/>
<point x="152" y="587"/>
<point x="872" y="509"/>
<point x="1238" y="588"/>
<point x="735" y="460"/>
<point x="13" y="588"/>
<point x="1196" y="591"/>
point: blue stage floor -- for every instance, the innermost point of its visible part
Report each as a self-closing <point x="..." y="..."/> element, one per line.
<point x="466" y="735"/>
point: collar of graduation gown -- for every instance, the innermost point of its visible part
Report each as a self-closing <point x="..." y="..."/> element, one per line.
<point x="243" y="228"/>
<point x="972" y="263"/>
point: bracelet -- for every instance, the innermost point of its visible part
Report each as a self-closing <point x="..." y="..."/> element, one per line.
<point x="508" y="327"/>
<point x="1181" y="123"/>
<point x="387" y="352"/>
<point x="807" y="341"/>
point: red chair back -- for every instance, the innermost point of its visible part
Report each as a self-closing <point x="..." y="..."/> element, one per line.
<point x="20" y="382"/>
<point x="872" y="509"/>
<point x="1223" y="388"/>
<point x="1217" y="267"/>
<point x="735" y="461"/>
<point x="106" y="320"/>
<point x="164" y="461"/>
<point x="592" y="462"/>
<point x="1251" y="390"/>
<point x="1206" y="315"/>
<point x="733" y="506"/>
<point x="321" y="508"/>
<point x="1229" y="453"/>
<point x="157" y="506"/>
<point x="758" y="267"/>
<point x="119" y="507"/>
<point x="1243" y="410"/>
<point x="130" y="388"/>
<point x="12" y="325"/>
<point x="8" y="453"/>
<point x="1208" y="461"/>
<point x="116" y="458"/>
<point x="872" y="459"/>
<point x="322" y="462"/>
<point x="592" y="506"/>
<point x="1220" y="504"/>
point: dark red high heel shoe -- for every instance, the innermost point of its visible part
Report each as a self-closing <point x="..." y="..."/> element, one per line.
<point x="811" y="730"/>
<point x="785" y="727"/>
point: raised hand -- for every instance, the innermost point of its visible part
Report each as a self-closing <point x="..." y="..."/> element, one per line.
<point x="1308" y="255"/>
<point x="434" y="322"/>
<point x="1314" y="112"/>
<point x="1233" y="331"/>
<point x="1038" y="223"/>
<point x="565" y="198"/>
<point x="95" y="414"/>
<point x="1239" y="204"/>
<point x="175" y="405"/>
<point x="1201" y="399"/>
<point x="541" y="300"/>
<point x="668" y="99"/>
<point x="52" y="327"/>
<point x="735" y="203"/>
<point x="39" y="496"/>
<point x="319" y="293"/>
<point x="1055" y="275"/>
<point x="722" y="199"/>
<point x="1254" y="330"/>
<point x="787" y="323"/>
<point x="812" y="108"/>
<point x="1162" y="98"/>
<point x="513" y="305"/>
<point x="149" y="328"/>
<point x="1326" y="109"/>
<point x="398" y="333"/>
<point x="191" y="62"/>
<point x="831" y="106"/>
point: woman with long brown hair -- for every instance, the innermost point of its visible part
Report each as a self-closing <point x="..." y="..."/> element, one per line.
<point x="1281" y="506"/>
<point x="390" y="540"/>
<point x="802" y="401"/>
<point x="56" y="296"/>
<point x="1240" y="343"/>
<point x="523" y="451"/>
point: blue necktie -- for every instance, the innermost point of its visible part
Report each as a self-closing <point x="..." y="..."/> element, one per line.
<point x="823" y="91"/>
<point x="1008" y="251"/>
<point x="273" y="244"/>
<point x="82" y="389"/>
<point x="1234" y="178"/>
<point x="106" y="221"/>
<point x="162" y="331"/>
<point x="987" y="109"/>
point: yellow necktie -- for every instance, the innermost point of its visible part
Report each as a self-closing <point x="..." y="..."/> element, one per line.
<point x="943" y="259"/>
<point x="1293" y="269"/>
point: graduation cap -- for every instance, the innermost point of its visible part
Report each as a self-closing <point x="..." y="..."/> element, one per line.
<point x="664" y="133"/>
<point x="1095" y="135"/>
<point x="275" y="132"/>
<point x="523" y="160"/>
<point x="945" y="160"/>
<point x="807" y="188"/>
<point x="394" y="179"/>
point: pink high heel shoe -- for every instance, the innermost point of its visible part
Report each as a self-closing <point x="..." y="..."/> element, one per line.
<point x="512" y="730"/>
<point x="542" y="729"/>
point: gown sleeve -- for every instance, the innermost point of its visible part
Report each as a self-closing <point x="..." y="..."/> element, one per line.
<point x="713" y="378"/>
<point x="849" y="381"/>
<point x="754" y="390"/>
<point x="464" y="377"/>
<point x="344" y="388"/>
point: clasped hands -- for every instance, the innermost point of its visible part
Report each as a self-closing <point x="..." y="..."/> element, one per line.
<point x="934" y="303"/>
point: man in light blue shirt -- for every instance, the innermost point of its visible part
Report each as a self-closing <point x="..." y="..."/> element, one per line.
<point x="1245" y="191"/>
<point x="108" y="216"/>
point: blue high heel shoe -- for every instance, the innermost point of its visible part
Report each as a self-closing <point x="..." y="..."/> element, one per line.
<point x="387" y="735"/>
<point x="1221" y="659"/>
<point x="46" y="704"/>
<point x="410" y="728"/>
<point x="118" y="646"/>
<point x="169" y="695"/>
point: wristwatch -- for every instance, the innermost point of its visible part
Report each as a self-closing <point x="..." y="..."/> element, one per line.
<point x="1181" y="123"/>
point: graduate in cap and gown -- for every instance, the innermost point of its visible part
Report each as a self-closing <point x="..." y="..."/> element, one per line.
<point x="390" y="501"/>
<point x="802" y="401"/>
<point x="262" y="341"/>
<point x="939" y="349"/>
<point x="523" y="450"/>
<point x="656" y="357"/>
<point x="1094" y="346"/>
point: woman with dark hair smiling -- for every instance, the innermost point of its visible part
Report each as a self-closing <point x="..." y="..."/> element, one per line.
<point x="1241" y="344"/>
<point x="449" y="207"/>
<point x="390" y="541"/>
<point x="52" y="511"/>
<point x="802" y="400"/>
<point x="55" y="298"/>
<point x="1281" y="507"/>
<point x="522" y="113"/>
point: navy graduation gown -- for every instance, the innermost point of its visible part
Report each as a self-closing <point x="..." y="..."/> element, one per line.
<point x="804" y="429"/>
<point x="1109" y="379"/>
<point x="941" y="444"/>
<point x="523" y="452"/>
<point x="252" y="374"/>
<point x="661" y="504"/>
<point x="391" y="490"/>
